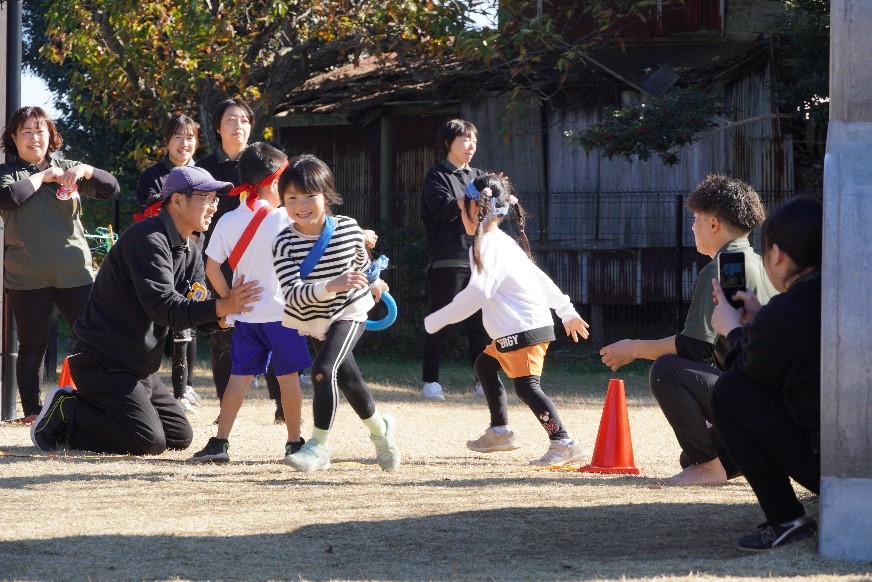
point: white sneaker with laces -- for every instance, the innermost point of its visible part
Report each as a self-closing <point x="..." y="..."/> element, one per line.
<point x="186" y="405"/>
<point x="310" y="458"/>
<point x="193" y="397"/>
<point x="492" y="441"/>
<point x="478" y="392"/>
<point x="432" y="391"/>
<point x="559" y="454"/>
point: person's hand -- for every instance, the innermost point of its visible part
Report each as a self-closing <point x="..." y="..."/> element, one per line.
<point x="74" y="174"/>
<point x="346" y="281"/>
<point x="369" y="238"/>
<point x="576" y="327"/>
<point x="222" y="322"/>
<point x="725" y="318"/>
<point x="378" y="287"/>
<point x="241" y="297"/>
<point x="618" y="354"/>
<point x="51" y="174"/>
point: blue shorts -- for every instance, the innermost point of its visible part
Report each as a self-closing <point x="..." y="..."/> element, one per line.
<point x="255" y="345"/>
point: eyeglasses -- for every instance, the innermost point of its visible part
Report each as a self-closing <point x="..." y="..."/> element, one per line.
<point x="209" y="199"/>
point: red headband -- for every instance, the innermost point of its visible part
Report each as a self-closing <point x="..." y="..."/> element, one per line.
<point x="251" y="190"/>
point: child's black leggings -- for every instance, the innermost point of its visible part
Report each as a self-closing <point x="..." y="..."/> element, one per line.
<point x="528" y="390"/>
<point x="334" y="369"/>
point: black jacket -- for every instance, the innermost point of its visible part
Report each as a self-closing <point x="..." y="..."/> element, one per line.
<point x="140" y="294"/>
<point x="446" y="237"/>
<point x="781" y="349"/>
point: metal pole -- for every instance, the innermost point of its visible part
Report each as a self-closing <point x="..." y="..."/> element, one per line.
<point x="679" y="263"/>
<point x="9" y="387"/>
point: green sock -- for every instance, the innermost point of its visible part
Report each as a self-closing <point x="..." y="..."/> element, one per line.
<point x="320" y="435"/>
<point x="375" y="424"/>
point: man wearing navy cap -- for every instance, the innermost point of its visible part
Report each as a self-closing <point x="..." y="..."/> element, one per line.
<point x="151" y="282"/>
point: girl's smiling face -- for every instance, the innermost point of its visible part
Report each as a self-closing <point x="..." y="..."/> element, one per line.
<point x="181" y="146"/>
<point x="308" y="211"/>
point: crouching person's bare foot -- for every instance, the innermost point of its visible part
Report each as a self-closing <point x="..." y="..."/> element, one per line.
<point x="708" y="473"/>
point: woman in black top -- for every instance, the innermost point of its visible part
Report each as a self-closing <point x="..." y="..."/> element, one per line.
<point x="766" y="406"/>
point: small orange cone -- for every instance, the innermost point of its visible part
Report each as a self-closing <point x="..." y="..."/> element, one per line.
<point x="65" y="380"/>
<point x="613" y="452"/>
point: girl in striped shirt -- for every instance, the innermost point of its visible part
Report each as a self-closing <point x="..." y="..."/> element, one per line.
<point x="320" y="261"/>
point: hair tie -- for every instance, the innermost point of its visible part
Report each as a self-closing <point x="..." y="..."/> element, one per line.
<point x="512" y="200"/>
<point x="472" y="192"/>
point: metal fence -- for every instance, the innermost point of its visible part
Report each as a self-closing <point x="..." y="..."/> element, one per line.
<point x="627" y="260"/>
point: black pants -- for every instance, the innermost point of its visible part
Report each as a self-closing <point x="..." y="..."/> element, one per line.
<point x="683" y="389"/>
<point x="335" y="369"/>
<point x="527" y="388"/>
<point x="181" y="348"/>
<point x="116" y="412"/>
<point x="220" y="343"/>
<point x="32" y="310"/>
<point x="766" y="444"/>
<point x="443" y="284"/>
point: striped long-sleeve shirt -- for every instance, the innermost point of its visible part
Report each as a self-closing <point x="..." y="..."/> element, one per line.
<point x="309" y="307"/>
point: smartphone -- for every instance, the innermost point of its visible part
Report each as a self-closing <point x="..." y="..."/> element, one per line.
<point x="731" y="274"/>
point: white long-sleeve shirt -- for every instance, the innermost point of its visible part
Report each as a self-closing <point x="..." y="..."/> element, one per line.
<point x="513" y="294"/>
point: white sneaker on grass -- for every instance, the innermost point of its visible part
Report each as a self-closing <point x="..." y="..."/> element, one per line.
<point x="387" y="453"/>
<point x="559" y="454"/>
<point x="310" y="458"/>
<point x="492" y="442"/>
<point x="432" y="391"/>
<point x="192" y="396"/>
<point x="187" y="405"/>
<point x="478" y="392"/>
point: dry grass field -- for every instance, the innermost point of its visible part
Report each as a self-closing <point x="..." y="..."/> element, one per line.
<point x="446" y="514"/>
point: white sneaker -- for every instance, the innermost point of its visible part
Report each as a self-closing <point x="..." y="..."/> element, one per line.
<point x="432" y="391"/>
<point x="478" y="392"/>
<point x="387" y="453"/>
<point x="305" y="382"/>
<point x="193" y="397"/>
<point x="310" y="458"/>
<point x="491" y="442"/>
<point x="559" y="454"/>
<point x="186" y="405"/>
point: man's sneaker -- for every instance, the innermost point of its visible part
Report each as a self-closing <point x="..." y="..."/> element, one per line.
<point x="215" y="451"/>
<point x="279" y="417"/>
<point x="559" y="454"/>
<point x="491" y="442"/>
<point x="478" y="392"/>
<point x="293" y="447"/>
<point x="193" y="397"/>
<point x="305" y="382"/>
<point x="187" y="405"/>
<point x="49" y="430"/>
<point x="310" y="458"/>
<point x="773" y="536"/>
<point x="432" y="391"/>
<point x="387" y="453"/>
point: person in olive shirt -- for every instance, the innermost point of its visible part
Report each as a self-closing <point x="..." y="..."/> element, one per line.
<point x="687" y="365"/>
<point x="152" y="281"/>
<point x="47" y="262"/>
<point x="447" y="245"/>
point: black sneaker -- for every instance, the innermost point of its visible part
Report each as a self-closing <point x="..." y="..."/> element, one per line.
<point x="215" y="451"/>
<point x="291" y="448"/>
<point x="49" y="430"/>
<point x="774" y="536"/>
<point x="280" y="413"/>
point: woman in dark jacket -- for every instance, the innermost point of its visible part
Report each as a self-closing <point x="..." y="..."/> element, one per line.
<point x="766" y="406"/>
<point x="47" y="261"/>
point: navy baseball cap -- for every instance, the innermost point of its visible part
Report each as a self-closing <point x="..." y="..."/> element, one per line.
<point x="183" y="178"/>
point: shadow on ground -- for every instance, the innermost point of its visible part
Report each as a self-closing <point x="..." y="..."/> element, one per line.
<point x="644" y="540"/>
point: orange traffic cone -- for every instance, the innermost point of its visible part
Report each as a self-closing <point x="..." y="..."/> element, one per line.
<point x="613" y="452"/>
<point x="65" y="380"/>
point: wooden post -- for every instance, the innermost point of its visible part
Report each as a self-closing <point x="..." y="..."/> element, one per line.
<point x="846" y="376"/>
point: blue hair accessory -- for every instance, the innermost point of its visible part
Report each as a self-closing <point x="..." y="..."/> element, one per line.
<point x="472" y="192"/>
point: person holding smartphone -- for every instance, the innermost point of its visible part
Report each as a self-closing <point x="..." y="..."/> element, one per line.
<point x="686" y="365"/>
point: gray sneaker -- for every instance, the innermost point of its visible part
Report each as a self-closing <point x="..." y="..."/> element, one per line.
<point x="491" y="442"/>
<point x="49" y="430"/>
<point x="387" y="453"/>
<point x="310" y="458"/>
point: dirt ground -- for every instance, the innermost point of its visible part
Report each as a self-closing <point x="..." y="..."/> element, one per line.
<point x="446" y="514"/>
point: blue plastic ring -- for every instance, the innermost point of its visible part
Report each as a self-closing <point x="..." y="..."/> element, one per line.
<point x="387" y="320"/>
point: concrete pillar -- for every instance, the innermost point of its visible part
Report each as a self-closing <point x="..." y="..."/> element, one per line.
<point x="846" y="354"/>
